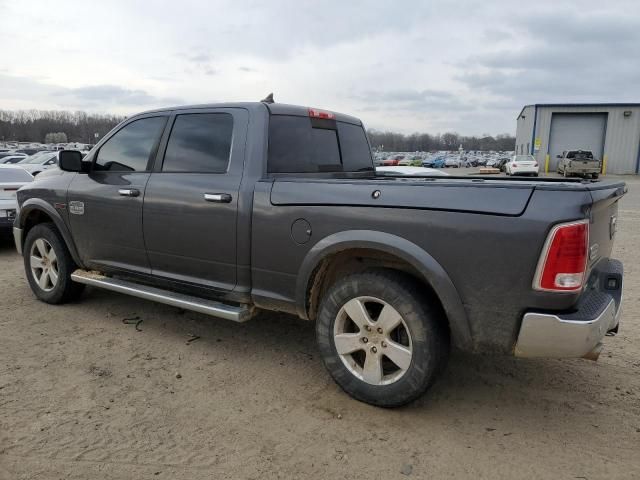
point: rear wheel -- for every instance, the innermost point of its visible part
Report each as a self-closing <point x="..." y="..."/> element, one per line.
<point x="595" y="175"/>
<point x="48" y="265"/>
<point x="380" y="338"/>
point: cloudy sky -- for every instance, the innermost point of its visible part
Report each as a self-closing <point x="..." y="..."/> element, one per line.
<point x="414" y="65"/>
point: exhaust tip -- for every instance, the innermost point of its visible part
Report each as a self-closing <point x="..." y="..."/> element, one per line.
<point x="595" y="353"/>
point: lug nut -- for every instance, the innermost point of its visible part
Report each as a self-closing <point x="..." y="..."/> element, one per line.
<point x="374" y="349"/>
<point x="379" y="330"/>
<point x="367" y="328"/>
<point x="365" y="339"/>
<point x="384" y="344"/>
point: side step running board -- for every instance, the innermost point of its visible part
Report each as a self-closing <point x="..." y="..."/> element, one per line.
<point x="240" y="313"/>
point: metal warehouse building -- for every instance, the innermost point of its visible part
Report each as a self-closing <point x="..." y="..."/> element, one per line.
<point x="611" y="131"/>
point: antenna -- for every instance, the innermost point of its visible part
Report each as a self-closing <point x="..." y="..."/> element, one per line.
<point x="268" y="99"/>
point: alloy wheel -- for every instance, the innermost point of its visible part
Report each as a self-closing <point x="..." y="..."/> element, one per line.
<point x="373" y="340"/>
<point x="44" y="264"/>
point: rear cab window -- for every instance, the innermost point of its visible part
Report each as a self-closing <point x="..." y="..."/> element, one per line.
<point x="302" y="144"/>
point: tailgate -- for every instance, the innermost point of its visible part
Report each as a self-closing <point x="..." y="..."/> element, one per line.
<point x="604" y="219"/>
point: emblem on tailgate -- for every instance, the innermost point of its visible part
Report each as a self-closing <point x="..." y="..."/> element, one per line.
<point x="77" y="208"/>
<point x="613" y="226"/>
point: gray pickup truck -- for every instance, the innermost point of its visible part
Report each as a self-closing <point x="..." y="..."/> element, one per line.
<point x="580" y="163"/>
<point x="230" y="208"/>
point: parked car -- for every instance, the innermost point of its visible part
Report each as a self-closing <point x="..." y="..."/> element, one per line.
<point x="11" y="179"/>
<point x="29" y="151"/>
<point x="522" y="165"/>
<point x="39" y="162"/>
<point x="390" y="161"/>
<point x="407" y="170"/>
<point x="434" y="162"/>
<point x="306" y="226"/>
<point x="579" y="162"/>
<point x="12" y="158"/>
<point x="501" y="163"/>
<point x="452" y="162"/>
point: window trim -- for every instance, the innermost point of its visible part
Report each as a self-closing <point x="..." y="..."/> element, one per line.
<point x="169" y="131"/>
<point x="152" y="153"/>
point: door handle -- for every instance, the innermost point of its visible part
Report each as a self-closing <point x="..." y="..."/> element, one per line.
<point x="217" y="197"/>
<point x="129" y="192"/>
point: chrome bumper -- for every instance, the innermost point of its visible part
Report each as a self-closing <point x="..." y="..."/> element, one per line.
<point x="17" y="238"/>
<point x="578" y="333"/>
<point x="547" y="335"/>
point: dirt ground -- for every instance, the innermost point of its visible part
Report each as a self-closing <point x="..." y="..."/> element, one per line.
<point x="85" y="396"/>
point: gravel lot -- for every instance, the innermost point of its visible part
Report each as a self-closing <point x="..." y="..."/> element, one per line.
<point x="84" y="395"/>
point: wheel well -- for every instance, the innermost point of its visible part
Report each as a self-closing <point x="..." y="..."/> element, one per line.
<point x="34" y="218"/>
<point x="346" y="262"/>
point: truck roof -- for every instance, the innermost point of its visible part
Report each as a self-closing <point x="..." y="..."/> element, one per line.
<point x="273" y="108"/>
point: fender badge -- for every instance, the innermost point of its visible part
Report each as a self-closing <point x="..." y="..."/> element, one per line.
<point x="77" y="208"/>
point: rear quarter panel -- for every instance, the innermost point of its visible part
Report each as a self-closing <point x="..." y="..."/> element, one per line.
<point x="489" y="247"/>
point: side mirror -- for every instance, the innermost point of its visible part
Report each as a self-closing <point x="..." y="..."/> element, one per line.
<point x="71" y="161"/>
<point x="558" y="156"/>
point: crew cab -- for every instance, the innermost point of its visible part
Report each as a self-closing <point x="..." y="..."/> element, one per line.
<point x="580" y="163"/>
<point x="227" y="209"/>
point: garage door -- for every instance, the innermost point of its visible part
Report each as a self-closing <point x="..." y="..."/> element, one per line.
<point x="571" y="131"/>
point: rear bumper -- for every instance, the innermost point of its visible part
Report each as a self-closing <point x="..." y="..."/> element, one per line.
<point x="583" y="170"/>
<point x="578" y="333"/>
<point x="7" y="217"/>
<point x="524" y="170"/>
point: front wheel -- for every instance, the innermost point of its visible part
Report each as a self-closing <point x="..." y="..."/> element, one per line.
<point x="381" y="338"/>
<point x="48" y="265"/>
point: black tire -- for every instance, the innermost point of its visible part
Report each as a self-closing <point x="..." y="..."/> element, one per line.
<point x="424" y="322"/>
<point x="64" y="290"/>
<point x="595" y="175"/>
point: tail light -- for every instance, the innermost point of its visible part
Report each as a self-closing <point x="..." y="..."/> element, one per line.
<point x="535" y="165"/>
<point x="514" y="164"/>
<point x="563" y="262"/>
<point x="315" y="113"/>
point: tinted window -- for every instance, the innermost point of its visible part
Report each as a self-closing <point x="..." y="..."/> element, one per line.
<point x="9" y="175"/>
<point x="130" y="148"/>
<point x="199" y="142"/>
<point x="297" y="145"/>
<point x="356" y="153"/>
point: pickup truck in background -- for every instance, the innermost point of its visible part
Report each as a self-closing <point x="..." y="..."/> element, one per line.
<point x="580" y="163"/>
<point x="229" y="208"/>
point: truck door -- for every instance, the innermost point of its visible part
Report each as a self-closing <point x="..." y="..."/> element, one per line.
<point x="191" y="201"/>
<point x="105" y="205"/>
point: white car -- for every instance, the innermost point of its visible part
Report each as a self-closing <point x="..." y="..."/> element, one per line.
<point x="402" y="170"/>
<point x="39" y="162"/>
<point x="13" y="158"/>
<point x="522" y="165"/>
<point x="12" y="178"/>
<point x="454" y="162"/>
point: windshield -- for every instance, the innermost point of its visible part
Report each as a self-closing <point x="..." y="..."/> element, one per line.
<point x="580" y="154"/>
<point x="38" y="158"/>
